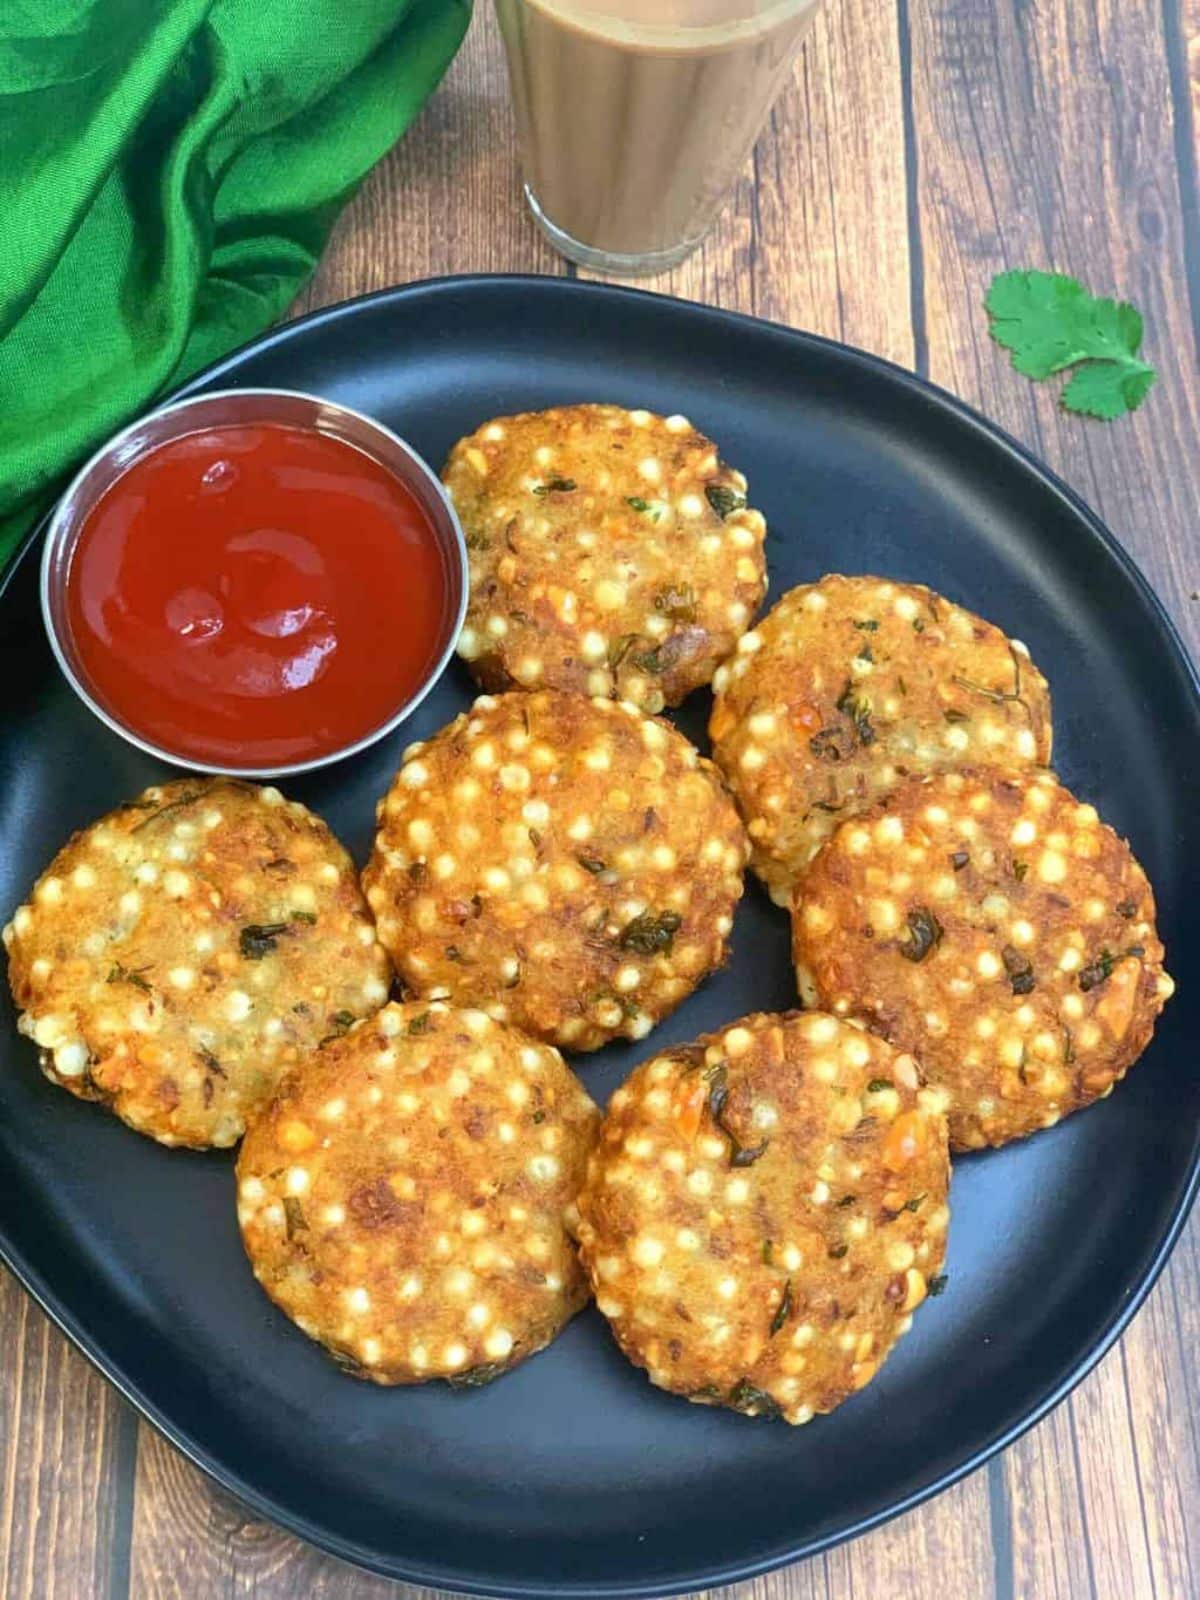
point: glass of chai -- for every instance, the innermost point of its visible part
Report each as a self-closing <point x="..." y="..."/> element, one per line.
<point x="635" y="116"/>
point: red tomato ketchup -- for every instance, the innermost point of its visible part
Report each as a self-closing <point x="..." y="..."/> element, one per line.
<point x="256" y="595"/>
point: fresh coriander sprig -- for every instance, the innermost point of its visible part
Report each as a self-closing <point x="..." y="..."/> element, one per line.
<point x="1050" y="322"/>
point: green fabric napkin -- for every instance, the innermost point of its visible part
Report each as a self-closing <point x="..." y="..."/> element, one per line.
<point x="169" y="173"/>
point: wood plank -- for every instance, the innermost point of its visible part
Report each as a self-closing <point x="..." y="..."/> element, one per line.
<point x="190" y="1539"/>
<point x="1183" y="20"/>
<point x="1045" y="137"/>
<point x="1048" y="1529"/>
<point x="1163" y="1386"/>
<point x="1107" y="1466"/>
<point x="447" y="198"/>
<point x="942" y="1549"/>
<point x="66" y="1463"/>
<point x="1033" y="149"/>
<point x="816" y="232"/>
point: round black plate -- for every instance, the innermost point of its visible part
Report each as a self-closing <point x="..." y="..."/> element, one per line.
<point x="573" y="1476"/>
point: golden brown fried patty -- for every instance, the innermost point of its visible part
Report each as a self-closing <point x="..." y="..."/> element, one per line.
<point x="764" y="1210"/>
<point x="612" y="553"/>
<point x="183" y="951"/>
<point x="404" y="1198"/>
<point x="847" y="686"/>
<point x="993" y="926"/>
<point x="569" y="864"/>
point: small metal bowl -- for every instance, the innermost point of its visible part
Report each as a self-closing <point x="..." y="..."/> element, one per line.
<point x="224" y="408"/>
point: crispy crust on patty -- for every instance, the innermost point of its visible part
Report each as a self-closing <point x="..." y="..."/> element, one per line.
<point x="612" y="553"/>
<point x="992" y="925"/>
<point x="179" y="954"/>
<point x="568" y="864"/>
<point x="851" y="684"/>
<point x="404" y="1199"/>
<point x="764" y="1210"/>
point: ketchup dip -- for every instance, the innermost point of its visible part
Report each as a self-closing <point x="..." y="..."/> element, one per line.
<point x="257" y="595"/>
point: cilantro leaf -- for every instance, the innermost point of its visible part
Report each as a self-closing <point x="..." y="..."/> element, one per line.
<point x="1049" y="322"/>
<point x="1033" y="314"/>
<point x="1103" y="389"/>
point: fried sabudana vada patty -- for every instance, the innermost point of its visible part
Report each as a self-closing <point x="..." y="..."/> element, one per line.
<point x="570" y="865"/>
<point x="180" y="953"/>
<point x="992" y="925"/>
<point x="612" y="553"/>
<point x="851" y="684"/>
<point x="764" y="1210"/>
<point x="404" y="1200"/>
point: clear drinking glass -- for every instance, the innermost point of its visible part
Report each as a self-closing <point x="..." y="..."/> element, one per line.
<point x="635" y="116"/>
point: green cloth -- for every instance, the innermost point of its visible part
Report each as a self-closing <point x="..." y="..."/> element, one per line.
<point x="169" y="174"/>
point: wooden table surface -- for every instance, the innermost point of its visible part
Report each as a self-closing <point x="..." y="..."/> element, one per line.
<point x="918" y="151"/>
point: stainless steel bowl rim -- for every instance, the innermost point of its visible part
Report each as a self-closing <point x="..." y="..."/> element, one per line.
<point x="126" y="446"/>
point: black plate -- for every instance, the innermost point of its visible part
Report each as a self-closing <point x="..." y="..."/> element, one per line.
<point x="574" y="1476"/>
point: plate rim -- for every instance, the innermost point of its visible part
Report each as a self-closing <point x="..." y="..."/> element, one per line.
<point x="1101" y="1341"/>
